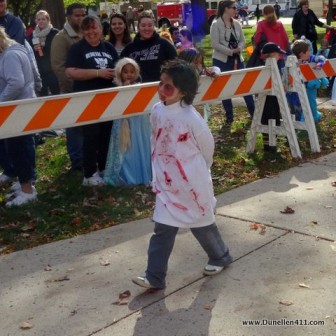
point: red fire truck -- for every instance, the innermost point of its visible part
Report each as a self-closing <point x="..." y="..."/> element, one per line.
<point x="179" y="13"/>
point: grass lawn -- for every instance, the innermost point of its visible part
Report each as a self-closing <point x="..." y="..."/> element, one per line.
<point x="65" y="208"/>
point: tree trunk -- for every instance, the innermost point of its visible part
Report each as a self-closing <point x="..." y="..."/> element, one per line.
<point x="330" y="12"/>
<point x="55" y="8"/>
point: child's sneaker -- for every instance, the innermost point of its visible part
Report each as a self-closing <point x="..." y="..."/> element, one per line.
<point x="94" y="180"/>
<point x="212" y="270"/>
<point x="22" y="198"/>
<point x="142" y="281"/>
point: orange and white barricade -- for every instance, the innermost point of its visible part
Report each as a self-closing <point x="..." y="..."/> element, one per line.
<point x="62" y="111"/>
<point x="298" y="75"/>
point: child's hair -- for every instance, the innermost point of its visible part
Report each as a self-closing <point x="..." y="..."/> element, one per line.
<point x="172" y="29"/>
<point x="185" y="32"/>
<point x="191" y="56"/>
<point x="119" y="66"/>
<point x="184" y="77"/>
<point x="299" y="46"/>
<point x="269" y="14"/>
<point x="165" y="33"/>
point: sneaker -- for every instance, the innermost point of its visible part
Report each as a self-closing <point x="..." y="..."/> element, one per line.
<point x="6" y="179"/>
<point x="142" y="282"/>
<point x="94" y="180"/>
<point x="22" y="198"/>
<point x="212" y="270"/>
<point x="16" y="186"/>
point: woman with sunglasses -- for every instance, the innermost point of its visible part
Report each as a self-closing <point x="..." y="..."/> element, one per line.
<point x="227" y="41"/>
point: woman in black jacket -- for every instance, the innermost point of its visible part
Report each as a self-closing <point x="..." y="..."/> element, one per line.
<point x="148" y="49"/>
<point x="304" y="22"/>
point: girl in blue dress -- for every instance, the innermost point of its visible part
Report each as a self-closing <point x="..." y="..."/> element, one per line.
<point x="128" y="160"/>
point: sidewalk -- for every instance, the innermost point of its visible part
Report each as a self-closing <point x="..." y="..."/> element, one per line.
<point x="70" y="287"/>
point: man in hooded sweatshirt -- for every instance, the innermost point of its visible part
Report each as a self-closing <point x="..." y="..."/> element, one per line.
<point x="59" y="51"/>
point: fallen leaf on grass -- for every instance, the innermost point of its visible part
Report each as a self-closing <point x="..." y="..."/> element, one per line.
<point x="302" y="285"/>
<point x="286" y="302"/>
<point x="26" y="325"/>
<point x="76" y="221"/>
<point x="287" y="210"/>
<point x="29" y="227"/>
<point x="123" y="298"/>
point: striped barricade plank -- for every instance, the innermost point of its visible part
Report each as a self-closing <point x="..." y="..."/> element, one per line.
<point x="62" y="111"/>
<point x="309" y="71"/>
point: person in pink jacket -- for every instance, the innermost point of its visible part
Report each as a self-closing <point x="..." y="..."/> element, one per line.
<point x="271" y="30"/>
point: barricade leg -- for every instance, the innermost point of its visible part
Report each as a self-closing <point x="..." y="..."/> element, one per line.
<point x="297" y="85"/>
<point x="286" y="128"/>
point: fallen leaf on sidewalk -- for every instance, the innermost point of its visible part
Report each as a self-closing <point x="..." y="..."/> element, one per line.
<point x="123" y="298"/>
<point x="63" y="278"/>
<point x="287" y="210"/>
<point x="302" y="285"/>
<point x="333" y="247"/>
<point x="254" y="226"/>
<point x="286" y="302"/>
<point x="104" y="263"/>
<point x="26" y="325"/>
<point x="262" y="229"/>
<point x="48" y="268"/>
<point x="208" y="307"/>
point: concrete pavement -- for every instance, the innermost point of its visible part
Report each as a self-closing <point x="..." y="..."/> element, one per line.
<point x="285" y="274"/>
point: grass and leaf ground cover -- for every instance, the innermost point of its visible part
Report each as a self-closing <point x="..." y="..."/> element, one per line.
<point x="65" y="208"/>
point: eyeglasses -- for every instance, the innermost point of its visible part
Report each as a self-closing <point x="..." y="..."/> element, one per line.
<point x="233" y="7"/>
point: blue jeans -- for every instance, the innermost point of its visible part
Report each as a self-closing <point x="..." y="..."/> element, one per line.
<point x="5" y="162"/>
<point x="21" y="152"/>
<point x="74" y="137"/>
<point x="227" y="103"/>
<point x="162" y="242"/>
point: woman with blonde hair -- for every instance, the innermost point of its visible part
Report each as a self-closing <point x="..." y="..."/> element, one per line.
<point x="127" y="160"/>
<point x="271" y="30"/>
<point x="17" y="82"/>
<point x="40" y="41"/>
